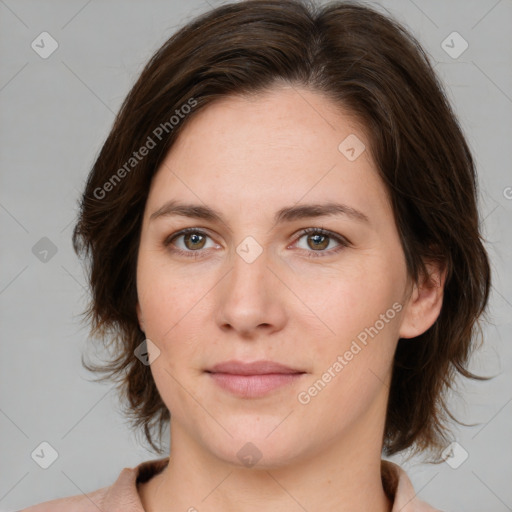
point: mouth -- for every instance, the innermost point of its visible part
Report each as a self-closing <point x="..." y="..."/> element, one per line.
<point x="255" y="379"/>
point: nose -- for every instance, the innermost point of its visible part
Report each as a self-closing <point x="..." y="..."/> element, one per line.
<point x="251" y="298"/>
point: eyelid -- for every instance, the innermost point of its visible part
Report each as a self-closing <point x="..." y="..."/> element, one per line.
<point x="323" y="231"/>
<point x="200" y="231"/>
<point x="342" y="241"/>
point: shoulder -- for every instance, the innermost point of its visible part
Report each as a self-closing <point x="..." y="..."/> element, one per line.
<point x="400" y="490"/>
<point x="81" y="503"/>
<point x="122" y="495"/>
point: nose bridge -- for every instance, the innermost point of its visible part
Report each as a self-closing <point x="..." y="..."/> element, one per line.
<point x="248" y="296"/>
<point x="250" y="272"/>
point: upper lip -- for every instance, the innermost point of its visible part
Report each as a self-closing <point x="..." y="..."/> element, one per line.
<point x="251" y="368"/>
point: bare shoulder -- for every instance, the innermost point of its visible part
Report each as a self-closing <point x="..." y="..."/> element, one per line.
<point x="90" y="502"/>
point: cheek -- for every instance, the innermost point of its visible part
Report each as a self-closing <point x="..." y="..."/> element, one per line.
<point x="351" y="372"/>
<point x="174" y="390"/>
<point x="343" y="302"/>
<point x="167" y="296"/>
<point x="362" y="310"/>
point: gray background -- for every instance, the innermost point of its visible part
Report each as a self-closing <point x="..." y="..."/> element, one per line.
<point x="54" y="115"/>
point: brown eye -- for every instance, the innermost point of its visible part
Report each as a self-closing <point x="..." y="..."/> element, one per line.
<point x="194" y="241"/>
<point x="319" y="239"/>
<point x="188" y="242"/>
<point x="316" y="241"/>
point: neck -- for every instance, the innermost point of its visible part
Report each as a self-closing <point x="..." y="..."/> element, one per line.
<point x="345" y="476"/>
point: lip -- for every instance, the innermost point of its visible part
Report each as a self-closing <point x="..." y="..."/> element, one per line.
<point x="253" y="379"/>
<point x="253" y="368"/>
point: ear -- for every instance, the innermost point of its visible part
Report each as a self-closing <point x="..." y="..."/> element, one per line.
<point x="425" y="301"/>
<point x="140" y="317"/>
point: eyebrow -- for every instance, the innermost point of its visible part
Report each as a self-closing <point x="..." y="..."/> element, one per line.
<point x="286" y="214"/>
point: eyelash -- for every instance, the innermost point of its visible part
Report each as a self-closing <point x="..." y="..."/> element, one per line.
<point x="307" y="231"/>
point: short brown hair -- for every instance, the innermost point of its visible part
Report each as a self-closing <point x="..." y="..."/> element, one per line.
<point x="374" y="69"/>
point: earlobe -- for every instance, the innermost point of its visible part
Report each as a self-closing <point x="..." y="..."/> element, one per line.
<point x="425" y="301"/>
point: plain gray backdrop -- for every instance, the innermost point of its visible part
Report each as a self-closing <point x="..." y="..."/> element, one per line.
<point x="55" y="112"/>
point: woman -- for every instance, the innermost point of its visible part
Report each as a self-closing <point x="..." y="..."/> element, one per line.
<point x="284" y="251"/>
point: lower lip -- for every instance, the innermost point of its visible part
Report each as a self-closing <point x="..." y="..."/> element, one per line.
<point x="254" y="386"/>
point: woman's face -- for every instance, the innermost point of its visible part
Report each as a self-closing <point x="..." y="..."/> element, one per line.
<point x="250" y="286"/>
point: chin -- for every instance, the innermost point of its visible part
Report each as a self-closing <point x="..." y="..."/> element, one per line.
<point x="255" y="448"/>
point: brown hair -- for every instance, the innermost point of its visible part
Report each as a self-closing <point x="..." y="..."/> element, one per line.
<point x="373" y="68"/>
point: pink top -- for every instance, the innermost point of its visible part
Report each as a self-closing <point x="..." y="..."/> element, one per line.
<point x="122" y="495"/>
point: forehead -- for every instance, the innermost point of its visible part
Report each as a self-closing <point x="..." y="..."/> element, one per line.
<point x="275" y="148"/>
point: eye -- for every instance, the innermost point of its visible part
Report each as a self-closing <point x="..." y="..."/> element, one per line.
<point x="319" y="239"/>
<point x="193" y="240"/>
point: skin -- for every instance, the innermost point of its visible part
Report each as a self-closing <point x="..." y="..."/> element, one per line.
<point x="247" y="158"/>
